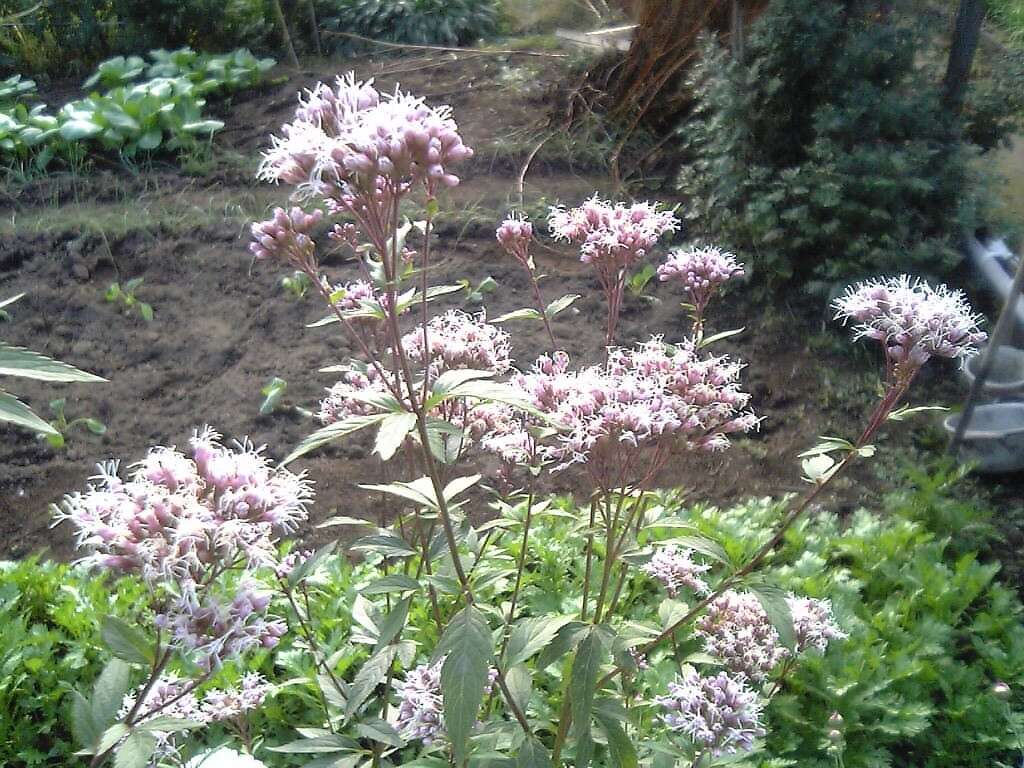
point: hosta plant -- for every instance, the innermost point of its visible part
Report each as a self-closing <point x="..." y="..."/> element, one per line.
<point x="663" y="647"/>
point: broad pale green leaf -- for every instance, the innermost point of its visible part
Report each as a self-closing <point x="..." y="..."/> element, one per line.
<point x="560" y="304"/>
<point x="419" y="491"/>
<point x="392" y="433"/>
<point x="468" y="643"/>
<point x="18" y="361"/>
<point x="531" y="635"/>
<point x="332" y="432"/>
<point x="309" y="565"/>
<point x="84" y="728"/>
<point x="827" y="445"/>
<point x="369" y="676"/>
<point x="565" y="640"/>
<point x="526" y="313"/>
<point x="449" y="380"/>
<point x="13" y="411"/>
<point x="135" y="751"/>
<point x="168" y="724"/>
<point x="108" y="696"/>
<point x="519" y="680"/>
<point x="75" y="130"/>
<point x="459" y="485"/>
<point x="773" y="600"/>
<point x="705" y="546"/>
<point x="125" y="641"/>
<point x="111" y="736"/>
<point x="331" y="742"/>
<point x="385" y="544"/>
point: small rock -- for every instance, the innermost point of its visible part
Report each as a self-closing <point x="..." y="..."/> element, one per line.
<point x="79" y="270"/>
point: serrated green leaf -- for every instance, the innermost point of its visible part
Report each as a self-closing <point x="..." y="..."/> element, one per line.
<point x="369" y="676"/>
<point x="586" y="665"/>
<point x="125" y="641"/>
<point x="468" y="643"/>
<point x="531" y="635"/>
<point x="135" y="751"/>
<point x="331" y="433"/>
<point x="395" y="582"/>
<point x="392" y="433"/>
<point x="774" y="602"/>
<point x="533" y="754"/>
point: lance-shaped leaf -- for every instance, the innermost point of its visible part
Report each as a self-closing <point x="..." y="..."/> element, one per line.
<point x="586" y="665"/>
<point x="18" y="361"/>
<point x="419" y="491"/>
<point x="125" y="641"/>
<point x="533" y="754"/>
<point x="136" y="751"/>
<point x="369" y="676"/>
<point x="526" y="313"/>
<point x="560" y="304"/>
<point x="773" y="600"/>
<point x="90" y="718"/>
<point x="449" y="380"/>
<point x="468" y="645"/>
<point x="392" y="433"/>
<point x="333" y="432"/>
<point x="13" y="411"/>
<point x="531" y="635"/>
<point x="621" y="752"/>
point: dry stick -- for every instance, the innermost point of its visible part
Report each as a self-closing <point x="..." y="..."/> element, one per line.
<point x="1003" y="326"/>
<point x="521" y="179"/>
<point x="496" y="51"/>
<point x="286" y="38"/>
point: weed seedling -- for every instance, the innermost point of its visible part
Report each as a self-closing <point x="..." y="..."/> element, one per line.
<point x="61" y="425"/>
<point x="296" y="286"/>
<point x="125" y="296"/>
<point x="478" y="294"/>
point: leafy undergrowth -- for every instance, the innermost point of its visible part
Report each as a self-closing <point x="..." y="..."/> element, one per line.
<point x="931" y="631"/>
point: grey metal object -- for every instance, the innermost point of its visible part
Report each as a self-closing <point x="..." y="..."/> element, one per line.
<point x="1006" y="379"/>
<point x="994" y="439"/>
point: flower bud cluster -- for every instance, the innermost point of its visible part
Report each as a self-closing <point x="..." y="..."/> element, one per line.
<point x="700" y="271"/>
<point x="653" y="395"/>
<point x="736" y="630"/>
<point x="514" y="235"/>
<point x="285" y="237"/>
<point x="357" y="146"/>
<point x="674" y="567"/>
<point x="612" y="236"/>
<point x="457" y="340"/>
<point x="720" y="714"/>
<point x="913" y="321"/>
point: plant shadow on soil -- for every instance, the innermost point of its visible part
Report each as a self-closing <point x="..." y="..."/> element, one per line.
<point x="223" y="327"/>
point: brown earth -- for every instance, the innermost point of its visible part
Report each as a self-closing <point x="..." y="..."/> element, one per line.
<point x="223" y="327"/>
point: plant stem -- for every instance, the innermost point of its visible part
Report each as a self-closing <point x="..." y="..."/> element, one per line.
<point x="590" y="557"/>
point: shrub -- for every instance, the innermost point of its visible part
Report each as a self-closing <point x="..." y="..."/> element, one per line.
<point x="824" y="152"/>
<point x="422" y="22"/>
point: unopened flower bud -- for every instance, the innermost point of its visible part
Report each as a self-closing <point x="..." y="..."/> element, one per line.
<point x="1001" y="691"/>
<point x="836" y="737"/>
<point x="836" y="720"/>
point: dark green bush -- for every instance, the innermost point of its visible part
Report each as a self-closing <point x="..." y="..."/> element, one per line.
<point x="823" y="153"/>
<point x="422" y="22"/>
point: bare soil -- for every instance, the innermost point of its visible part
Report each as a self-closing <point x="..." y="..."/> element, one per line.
<point x="223" y="327"/>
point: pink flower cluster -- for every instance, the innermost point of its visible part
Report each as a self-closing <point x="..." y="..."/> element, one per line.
<point x="457" y="340"/>
<point x="912" y="320"/>
<point x="719" y="714"/>
<point x="178" y="520"/>
<point x="285" y="236"/>
<point x="354" y="144"/>
<point x="653" y="396"/>
<point x="737" y="631"/>
<point x="250" y="694"/>
<point x="674" y="567"/>
<point x="612" y="236"/>
<point x="701" y="272"/>
<point x="514" y="234"/>
<point x="813" y="623"/>
<point x="420" y="707"/>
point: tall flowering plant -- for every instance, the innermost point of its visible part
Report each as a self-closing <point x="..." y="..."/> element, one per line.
<point x="661" y="647"/>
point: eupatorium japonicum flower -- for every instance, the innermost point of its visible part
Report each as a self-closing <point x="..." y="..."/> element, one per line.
<point x="285" y="236"/>
<point x="674" y="567"/>
<point x="813" y="623"/>
<point x="736" y="630"/>
<point x="514" y="235"/>
<point x="249" y="695"/>
<point x="420" y="709"/>
<point x="354" y="144"/>
<point x="169" y="696"/>
<point x="653" y="396"/>
<point x="457" y="340"/>
<point x="720" y="714"/>
<point x="912" y="320"/>
<point x="611" y="236"/>
<point x="701" y="271"/>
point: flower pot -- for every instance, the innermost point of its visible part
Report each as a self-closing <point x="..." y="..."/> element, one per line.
<point x="1006" y="379"/>
<point x="994" y="440"/>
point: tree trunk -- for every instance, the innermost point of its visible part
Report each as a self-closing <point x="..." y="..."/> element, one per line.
<point x="664" y="42"/>
<point x="966" y="32"/>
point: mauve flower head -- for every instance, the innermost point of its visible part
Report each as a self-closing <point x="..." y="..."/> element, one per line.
<point x="736" y="630"/>
<point x="719" y="714"/>
<point x="353" y="394"/>
<point x="459" y="340"/>
<point x="250" y="694"/>
<point x="214" y="628"/>
<point x="701" y="271"/>
<point x="514" y="235"/>
<point x="420" y="707"/>
<point x="912" y="320"/>
<point x="813" y="623"/>
<point x="170" y="694"/>
<point x="674" y="567"/>
<point x="285" y="236"/>
<point x="612" y="236"/>
<point x="652" y="396"/>
<point x="354" y="144"/>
